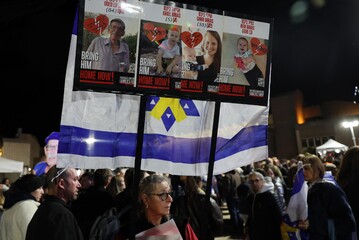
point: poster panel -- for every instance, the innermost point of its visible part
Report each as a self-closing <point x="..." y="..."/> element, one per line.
<point x="172" y="49"/>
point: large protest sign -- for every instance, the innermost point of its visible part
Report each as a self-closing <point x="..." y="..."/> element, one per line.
<point x="101" y="106"/>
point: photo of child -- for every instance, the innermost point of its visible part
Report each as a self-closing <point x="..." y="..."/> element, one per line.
<point x="245" y="62"/>
<point x="168" y="59"/>
<point x="189" y="63"/>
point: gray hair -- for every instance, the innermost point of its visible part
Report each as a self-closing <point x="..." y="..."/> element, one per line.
<point x="149" y="183"/>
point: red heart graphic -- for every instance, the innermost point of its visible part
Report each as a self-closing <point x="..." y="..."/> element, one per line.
<point x="258" y="48"/>
<point x="96" y="25"/>
<point x="154" y="33"/>
<point x="191" y="39"/>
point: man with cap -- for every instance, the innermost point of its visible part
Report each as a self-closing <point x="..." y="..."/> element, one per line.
<point x="21" y="203"/>
<point x="53" y="219"/>
<point x="50" y="149"/>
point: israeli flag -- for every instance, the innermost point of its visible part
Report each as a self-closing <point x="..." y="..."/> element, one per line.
<point x="296" y="210"/>
<point x="99" y="130"/>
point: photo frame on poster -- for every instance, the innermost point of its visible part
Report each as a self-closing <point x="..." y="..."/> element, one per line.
<point x="241" y="77"/>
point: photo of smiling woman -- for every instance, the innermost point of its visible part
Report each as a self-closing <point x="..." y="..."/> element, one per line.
<point x="211" y="58"/>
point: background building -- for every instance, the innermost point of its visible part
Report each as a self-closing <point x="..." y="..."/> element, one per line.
<point x="295" y="128"/>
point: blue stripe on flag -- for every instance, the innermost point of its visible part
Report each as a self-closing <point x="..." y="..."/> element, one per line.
<point x="250" y="137"/>
<point x="76" y="20"/>
<point x="299" y="181"/>
<point x="85" y="142"/>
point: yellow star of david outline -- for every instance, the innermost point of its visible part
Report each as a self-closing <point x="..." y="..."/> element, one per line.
<point x="175" y="106"/>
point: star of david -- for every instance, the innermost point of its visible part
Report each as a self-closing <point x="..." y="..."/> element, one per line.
<point x="171" y="110"/>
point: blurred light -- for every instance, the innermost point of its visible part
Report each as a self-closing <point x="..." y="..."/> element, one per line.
<point x="299" y="11"/>
<point x="90" y="140"/>
<point x="131" y="8"/>
<point x="318" y="3"/>
<point x="350" y="125"/>
<point x="355" y="94"/>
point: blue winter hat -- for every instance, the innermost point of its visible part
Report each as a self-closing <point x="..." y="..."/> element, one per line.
<point x="53" y="136"/>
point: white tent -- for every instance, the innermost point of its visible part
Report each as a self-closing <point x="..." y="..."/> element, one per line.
<point x="10" y="166"/>
<point x="331" y="146"/>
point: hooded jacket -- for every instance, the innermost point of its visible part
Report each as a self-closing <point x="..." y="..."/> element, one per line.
<point x="264" y="215"/>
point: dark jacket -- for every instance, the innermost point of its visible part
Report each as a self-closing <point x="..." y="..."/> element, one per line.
<point x="352" y="192"/>
<point x="264" y="215"/>
<point x="327" y="201"/>
<point x="141" y="225"/>
<point x="88" y="206"/>
<point x="53" y="220"/>
<point x="195" y="212"/>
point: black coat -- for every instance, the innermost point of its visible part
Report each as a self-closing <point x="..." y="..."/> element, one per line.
<point x="53" y="220"/>
<point x="264" y="216"/>
<point x="327" y="201"/>
<point x="194" y="210"/>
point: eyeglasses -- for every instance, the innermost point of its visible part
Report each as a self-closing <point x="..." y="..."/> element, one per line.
<point x="50" y="147"/>
<point x="254" y="181"/>
<point x="162" y="196"/>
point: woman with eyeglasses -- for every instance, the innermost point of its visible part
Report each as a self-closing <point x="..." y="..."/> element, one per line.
<point x="155" y="202"/>
<point x="264" y="212"/>
<point x="329" y="213"/>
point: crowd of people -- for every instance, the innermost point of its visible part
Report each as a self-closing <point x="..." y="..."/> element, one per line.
<point x="61" y="204"/>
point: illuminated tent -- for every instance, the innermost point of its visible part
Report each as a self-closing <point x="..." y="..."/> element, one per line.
<point x="10" y="166"/>
<point x="331" y="146"/>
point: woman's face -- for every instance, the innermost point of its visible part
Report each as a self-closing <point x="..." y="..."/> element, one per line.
<point x="159" y="201"/>
<point x="256" y="183"/>
<point x="309" y="173"/>
<point x="210" y="45"/>
<point x="37" y="194"/>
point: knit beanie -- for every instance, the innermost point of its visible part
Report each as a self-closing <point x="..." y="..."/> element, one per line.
<point x="30" y="182"/>
<point x="53" y="135"/>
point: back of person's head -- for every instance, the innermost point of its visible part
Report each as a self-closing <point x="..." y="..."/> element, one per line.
<point x="129" y="177"/>
<point x="102" y="177"/>
<point x="53" y="175"/>
<point x="348" y="172"/>
<point x="192" y="184"/>
<point x="261" y="171"/>
<point x="87" y="180"/>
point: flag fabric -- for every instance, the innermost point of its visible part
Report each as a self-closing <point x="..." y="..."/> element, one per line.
<point x="99" y="130"/>
<point x="328" y="176"/>
<point x="296" y="210"/>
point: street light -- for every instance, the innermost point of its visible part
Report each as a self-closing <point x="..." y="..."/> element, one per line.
<point x="351" y="125"/>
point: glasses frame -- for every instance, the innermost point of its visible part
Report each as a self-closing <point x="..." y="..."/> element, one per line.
<point x="162" y="196"/>
<point x="51" y="147"/>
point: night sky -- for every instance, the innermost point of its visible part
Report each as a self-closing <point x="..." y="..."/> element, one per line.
<point x="317" y="55"/>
